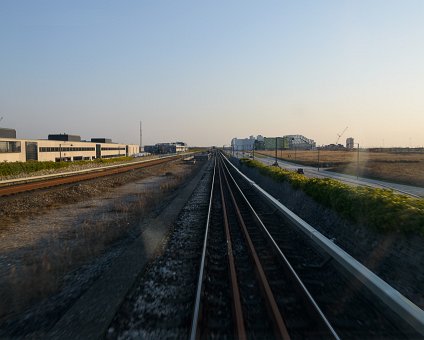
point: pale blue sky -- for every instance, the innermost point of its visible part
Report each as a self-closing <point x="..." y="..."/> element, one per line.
<point x="207" y="71"/>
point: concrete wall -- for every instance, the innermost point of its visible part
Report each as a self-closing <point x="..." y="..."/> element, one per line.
<point x="11" y="156"/>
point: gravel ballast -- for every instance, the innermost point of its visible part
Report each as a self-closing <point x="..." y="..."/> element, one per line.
<point x="162" y="303"/>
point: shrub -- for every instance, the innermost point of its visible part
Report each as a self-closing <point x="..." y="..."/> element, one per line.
<point x="381" y="209"/>
<point x="16" y="168"/>
<point x="8" y="169"/>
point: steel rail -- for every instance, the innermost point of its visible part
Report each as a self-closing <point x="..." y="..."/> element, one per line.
<point x="196" y="312"/>
<point x="310" y="303"/>
<point x="30" y="179"/>
<point x="389" y="296"/>
<point x="237" y="308"/>
<point x="47" y="183"/>
<point x="280" y="327"/>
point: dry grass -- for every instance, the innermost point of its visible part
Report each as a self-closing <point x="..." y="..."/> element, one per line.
<point x="42" y="266"/>
<point x="406" y="168"/>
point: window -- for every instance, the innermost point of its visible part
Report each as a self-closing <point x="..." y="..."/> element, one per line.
<point x="9" y="147"/>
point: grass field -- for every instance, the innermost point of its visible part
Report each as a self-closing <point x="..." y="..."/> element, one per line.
<point x="405" y="168"/>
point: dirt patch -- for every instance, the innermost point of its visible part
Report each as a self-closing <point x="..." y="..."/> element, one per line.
<point x="404" y="167"/>
<point x="56" y="242"/>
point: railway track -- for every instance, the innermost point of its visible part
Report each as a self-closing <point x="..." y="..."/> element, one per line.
<point x="260" y="277"/>
<point x="243" y="274"/>
<point x="61" y="179"/>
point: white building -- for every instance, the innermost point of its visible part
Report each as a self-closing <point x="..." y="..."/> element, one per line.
<point x="181" y="147"/>
<point x="22" y="150"/>
<point x="243" y="144"/>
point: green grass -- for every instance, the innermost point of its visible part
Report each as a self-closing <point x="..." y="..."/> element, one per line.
<point x="381" y="209"/>
<point x="16" y="168"/>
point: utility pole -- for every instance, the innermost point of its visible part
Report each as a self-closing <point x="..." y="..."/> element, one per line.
<point x="141" y="136"/>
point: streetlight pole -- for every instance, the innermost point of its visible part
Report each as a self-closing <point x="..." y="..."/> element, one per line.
<point x="60" y="152"/>
<point x="318" y="157"/>
<point x="357" y="163"/>
<point x="294" y="145"/>
<point x="275" y="163"/>
<point x="281" y="149"/>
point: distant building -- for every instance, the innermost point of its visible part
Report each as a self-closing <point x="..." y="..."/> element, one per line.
<point x="65" y="137"/>
<point x="61" y="150"/>
<point x="181" y="147"/>
<point x="350" y="142"/>
<point x="164" y="148"/>
<point x="101" y="140"/>
<point x="300" y="142"/>
<point x="7" y="133"/>
<point x="243" y="144"/>
<point x="333" y="147"/>
<point x="270" y="143"/>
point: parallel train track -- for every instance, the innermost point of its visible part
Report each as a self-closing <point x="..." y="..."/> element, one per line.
<point x="261" y="278"/>
<point x="44" y="183"/>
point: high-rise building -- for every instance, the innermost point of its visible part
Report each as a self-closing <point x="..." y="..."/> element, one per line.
<point x="350" y="142"/>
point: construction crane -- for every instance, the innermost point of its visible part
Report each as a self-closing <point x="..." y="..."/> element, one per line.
<point x="340" y="135"/>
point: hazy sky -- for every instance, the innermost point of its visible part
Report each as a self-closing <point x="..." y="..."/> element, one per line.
<point x="206" y="71"/>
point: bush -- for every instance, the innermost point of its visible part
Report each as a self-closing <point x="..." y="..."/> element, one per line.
<point x="381" y="209"/>
<point x="10" y="169"/>
<point x="16" y="168"/>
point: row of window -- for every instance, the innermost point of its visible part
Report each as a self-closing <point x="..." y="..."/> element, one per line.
<point x="65" y="149"/>
<point x="9" y="147"/>
<point x="69" y="159"/>
<point x="110" y="149"/>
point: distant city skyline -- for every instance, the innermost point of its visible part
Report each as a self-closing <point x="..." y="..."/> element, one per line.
<point x="205" y="72"/>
